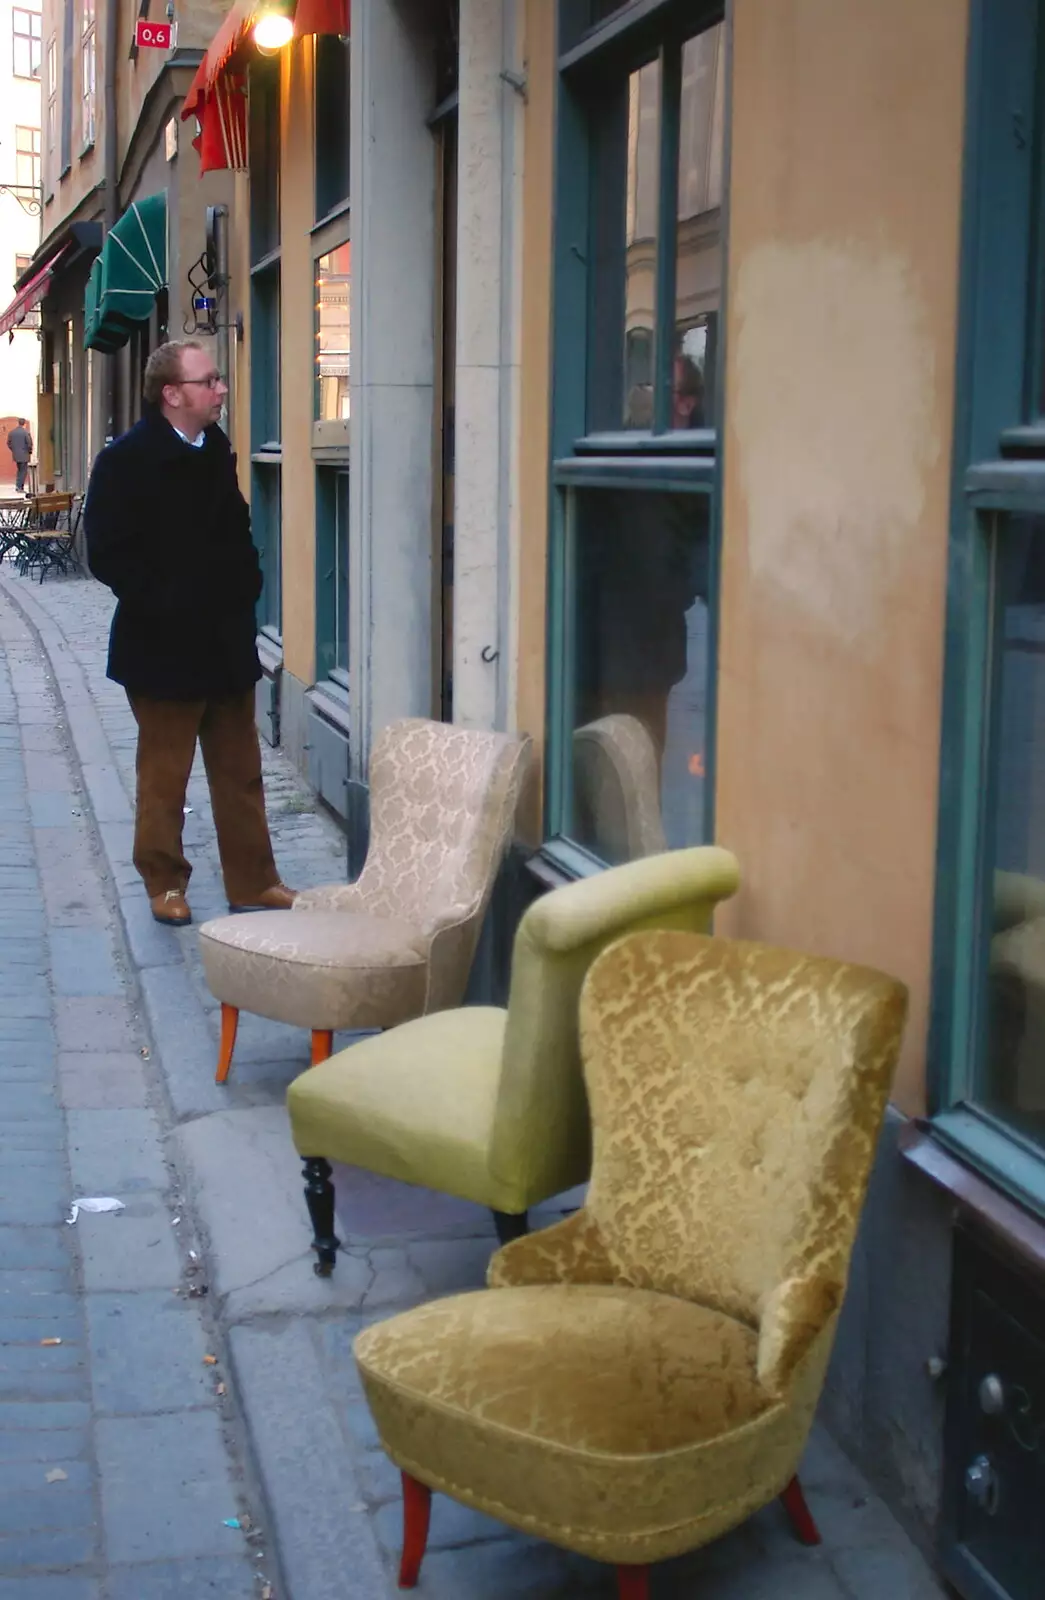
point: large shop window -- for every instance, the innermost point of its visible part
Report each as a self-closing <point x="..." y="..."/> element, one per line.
<point x="265" y="409"/>
<point x="988" y="1036"/>
<point x="638" y="295"/>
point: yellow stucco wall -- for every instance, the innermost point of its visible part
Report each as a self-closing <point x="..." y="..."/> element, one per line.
<point x="847" y="123"/>
<point x="296" y="359"/>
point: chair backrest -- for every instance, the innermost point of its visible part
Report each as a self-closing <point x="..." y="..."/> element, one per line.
<point x="737" y="1093"/>
<point x="616" y="787"/>
<point x="442" y="810"/>
<point x="541" y="1139"/>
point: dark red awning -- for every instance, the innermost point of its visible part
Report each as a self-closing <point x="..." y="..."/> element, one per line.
<point x="217" y="96"/>
<point x="30" y="295"/>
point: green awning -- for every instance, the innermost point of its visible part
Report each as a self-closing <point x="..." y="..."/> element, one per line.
<point x="128" y="275"/>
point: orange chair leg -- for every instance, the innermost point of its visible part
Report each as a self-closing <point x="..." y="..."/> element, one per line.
<point x="799" y="1514"/>
<point x="322" y="1045"/>
<point x="229" y="1024"/>
<point x="633" y="1583"/>
<point x="417" y="1512"/>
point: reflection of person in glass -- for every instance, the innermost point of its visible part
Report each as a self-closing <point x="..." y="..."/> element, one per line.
<point x="687" y="393"/>
<point x="642" y="563"/>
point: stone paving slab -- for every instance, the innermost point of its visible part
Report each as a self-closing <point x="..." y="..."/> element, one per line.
<point x="331" y="1495"/>
<point x="107" y="1392"/>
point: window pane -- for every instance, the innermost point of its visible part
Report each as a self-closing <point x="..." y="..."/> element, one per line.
<point x="698" y="274"/>
<point x="333" y="283"/>
<point x="1013" y="1078"/>
<point x="640" y="269"/>
<point x="265" y="517"/>
<point x="264" y="358"/>
<point x="639" y="674"/>
<point x="625" y="184"/>
<point x="332" y="101"/>
<point x="264" y="150"/>
<point x="332" y="488"/>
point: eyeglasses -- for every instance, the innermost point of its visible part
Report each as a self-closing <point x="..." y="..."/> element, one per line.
<point x="211" y="381"/>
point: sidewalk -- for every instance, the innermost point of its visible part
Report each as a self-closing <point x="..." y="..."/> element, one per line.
<point x="328" y="1495"/>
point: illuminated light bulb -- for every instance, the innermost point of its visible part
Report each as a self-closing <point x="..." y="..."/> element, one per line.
<point x="272" y="31"/>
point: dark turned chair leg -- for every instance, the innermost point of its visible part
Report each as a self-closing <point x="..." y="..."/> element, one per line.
<point x="511" y="1225"/>
<point x="799" y="1514"/>
<point x="319" y="1193"/>
<point x="417" y="1512"/>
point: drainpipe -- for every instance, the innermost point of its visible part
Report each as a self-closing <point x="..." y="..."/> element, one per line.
<point x="112" y="172"/>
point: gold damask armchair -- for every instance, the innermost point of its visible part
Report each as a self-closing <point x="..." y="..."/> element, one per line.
<point x="399" y="942"/>
<point x="642" y="1377"/>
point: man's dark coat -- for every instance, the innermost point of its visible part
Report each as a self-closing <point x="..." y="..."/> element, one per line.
<point x="169" y="533"/>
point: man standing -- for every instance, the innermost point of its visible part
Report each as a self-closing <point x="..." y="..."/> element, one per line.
<point x="169" y="533"/>
<point x="20" y="444"/>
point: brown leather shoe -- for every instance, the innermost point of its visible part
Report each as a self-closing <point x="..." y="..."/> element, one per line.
<point x="171" y="908"/>
<point x="278" y="898"/>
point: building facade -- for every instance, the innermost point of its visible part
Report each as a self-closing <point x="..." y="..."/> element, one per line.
<point x="20" y="200"/>
<point x="663" y="379"/>
<point x="112" y="140"/>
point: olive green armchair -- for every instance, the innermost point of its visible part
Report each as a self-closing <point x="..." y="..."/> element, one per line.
<point x="482" y="1103"/>
<point x="641" y="1377"/>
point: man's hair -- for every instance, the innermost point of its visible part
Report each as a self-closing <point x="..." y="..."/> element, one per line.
<point x="164" y="366"/>
<point x="21" y="422"/>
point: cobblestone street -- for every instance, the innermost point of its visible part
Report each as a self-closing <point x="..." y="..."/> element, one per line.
<point x="203" y="1376"/>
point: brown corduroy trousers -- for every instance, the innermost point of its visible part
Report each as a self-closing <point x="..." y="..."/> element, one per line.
<point x="167" y="734"/>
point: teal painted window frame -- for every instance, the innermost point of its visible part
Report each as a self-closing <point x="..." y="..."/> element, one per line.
<point x="998" y="468"/>
<point x="660" y="459"/>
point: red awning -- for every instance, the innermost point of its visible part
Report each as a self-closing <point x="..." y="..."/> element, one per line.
<point x="217" y="96"/>
<point x="30" y="295"/>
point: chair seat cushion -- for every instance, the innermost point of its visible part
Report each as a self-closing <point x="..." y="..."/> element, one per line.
<point x="624" y="1424"/>
<point x="416" y="1103"/>
<point x="318" y="969"/>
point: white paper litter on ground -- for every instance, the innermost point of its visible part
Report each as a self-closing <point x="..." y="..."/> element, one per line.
<point x="103" y="1203"/>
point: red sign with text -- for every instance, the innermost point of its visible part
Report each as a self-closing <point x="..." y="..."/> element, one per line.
<point x="152" y="35"/>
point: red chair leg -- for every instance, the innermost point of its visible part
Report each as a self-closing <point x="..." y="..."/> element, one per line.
<point x="322" y="1045"/>
<point x="417" y="1511"/>
<point x="229" y="1024"/>
<point x="633" y="1583"/>
<point x="799" y="1514"/>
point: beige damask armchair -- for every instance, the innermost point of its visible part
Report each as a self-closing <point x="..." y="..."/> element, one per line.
<point x="399" y="942"/>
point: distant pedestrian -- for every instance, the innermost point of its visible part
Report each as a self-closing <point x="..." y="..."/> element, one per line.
<point x="169" y="532"/>
<point x="20" y="444"/>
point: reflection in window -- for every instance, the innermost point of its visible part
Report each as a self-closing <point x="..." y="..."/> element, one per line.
<point x="640" y="268"/>
<point x="651" y="365"/>
<point x="698" y="266"/>
<point x="639" y="681"/>
<point x="333" y="281"/>
<point x="1015" y="1066"/>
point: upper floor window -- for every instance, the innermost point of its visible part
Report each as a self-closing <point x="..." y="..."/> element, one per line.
<point x="26" y="42"/>
<point x="51" y="114"/>
<point x="264" y="144"/>
<point x="332" y="116"/>
<point x="88" y="116"/>
<point x="27" y="157"/>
